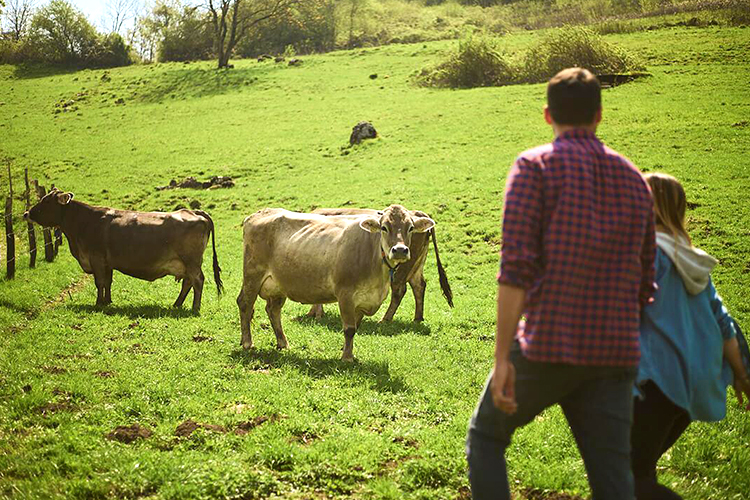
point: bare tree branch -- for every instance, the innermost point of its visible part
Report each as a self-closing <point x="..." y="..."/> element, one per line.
<point x="18" y="13"/>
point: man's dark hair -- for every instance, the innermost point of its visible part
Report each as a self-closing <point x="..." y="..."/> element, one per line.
<point x="574" y="95"/>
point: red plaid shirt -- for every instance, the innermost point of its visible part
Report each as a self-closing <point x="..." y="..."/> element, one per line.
<point x="578" y="236"/>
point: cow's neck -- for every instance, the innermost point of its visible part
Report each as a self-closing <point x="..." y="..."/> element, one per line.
<point x="389" y="266"/>
<point x="70" y="214"/>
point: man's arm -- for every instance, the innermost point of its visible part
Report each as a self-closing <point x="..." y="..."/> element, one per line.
<point x="519" y="268"/>
<point x="510" y="304"/>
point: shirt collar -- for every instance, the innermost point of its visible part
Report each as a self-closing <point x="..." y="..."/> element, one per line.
<point x="577" y="133"/>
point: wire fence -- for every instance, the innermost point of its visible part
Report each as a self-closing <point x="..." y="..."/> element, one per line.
<point x="51" y="243"/>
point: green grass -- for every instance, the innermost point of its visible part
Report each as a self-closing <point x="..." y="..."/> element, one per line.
<point x="393" y="424"/>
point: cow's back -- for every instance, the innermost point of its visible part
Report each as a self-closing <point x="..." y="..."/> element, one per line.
<point x="307" y="257"/>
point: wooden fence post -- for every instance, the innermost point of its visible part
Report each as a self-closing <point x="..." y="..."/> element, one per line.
<point x="29" y="224"/>
<point x="49" y="252"/>
<point x="57" y="233"/>
<point x="10" y="241"/>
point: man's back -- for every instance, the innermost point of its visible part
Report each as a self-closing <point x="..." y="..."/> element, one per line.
<point x="578" y="236"/>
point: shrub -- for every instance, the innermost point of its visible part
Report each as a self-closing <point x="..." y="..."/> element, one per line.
<point x="477" y="63"/>
<point x="576" y="46"/>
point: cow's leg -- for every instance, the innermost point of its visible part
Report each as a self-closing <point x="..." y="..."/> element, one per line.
<point x="349" y="322"/>
<point x="316" y="311"/>
<point x="273" y="309"/>
<point x="198" y="291"/>
<point x="397" y="294"/>
<point x="186" y="285"/>
<point x="418" y="287"/>
<point x="107" y="286"/>
<point x="246" y="303"/>
<point x="100" y="280"/>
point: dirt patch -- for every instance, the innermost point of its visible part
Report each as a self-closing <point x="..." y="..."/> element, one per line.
<point x="186" y="428"/>
<point x="50" y="408"/>
<point x="407" y="441"/>
<point x="245" y="427"/>
<point x="304" y="438"/>
<point x="104" y="374"/>
<point x="464" y="493"/>
<point x="534" y="494"/>
<point x="202" y="338"/>
<point x="215" y="182"/>
<point x="129" y="434"/>
<point x="741" y="124"/>
<point x="614" y="80"/>
<point x="54" y="370"/>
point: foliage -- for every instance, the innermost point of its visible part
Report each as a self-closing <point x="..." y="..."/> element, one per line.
<point x="576" y="46"/>
<point x="308" y="26"/>
<point x="477" y="63"/>
<point x="62" y="34"/>
<point x="185" y="36"/>
<point x="393" y="424"/>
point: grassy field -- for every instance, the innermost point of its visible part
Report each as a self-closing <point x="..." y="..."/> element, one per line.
<point x="300" y="423"/>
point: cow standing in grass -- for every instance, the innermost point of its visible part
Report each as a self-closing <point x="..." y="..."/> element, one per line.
<point x="315" y="259"/>
<point x="145" y="245"/>
<point x="411" y="272"/>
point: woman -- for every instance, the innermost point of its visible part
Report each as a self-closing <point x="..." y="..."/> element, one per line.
<point x="689" y="349"/>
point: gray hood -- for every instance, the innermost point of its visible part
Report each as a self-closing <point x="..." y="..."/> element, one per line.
<point x="693" y="264"/>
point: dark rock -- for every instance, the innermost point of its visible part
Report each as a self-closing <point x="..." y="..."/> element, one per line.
<point x="195" y="204"/>
<point x="279" y="59"/>
<point x="295" y="62"/>
<point x="362" y="131"/>
<point x="373" y="76"/>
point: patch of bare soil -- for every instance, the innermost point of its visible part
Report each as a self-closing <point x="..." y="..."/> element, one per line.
<point x="304" y="438"/>
<point x="129" y="434"/>
<point x="54" y="370"/>
<point x="50" y="408"/>
<point x="202" y="338"/>
<point x="105" y="374"/>
<point x="186" y="428"/>
<point x="535" y="494"/>
<point x="406" y="441"/>
<point x="251" y="424"/>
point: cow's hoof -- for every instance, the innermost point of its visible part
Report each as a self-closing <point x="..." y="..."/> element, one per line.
<point x="349" y="358"/>
<point x="247" y="346"/>
<point x="281" y="347"/>
<point x="385" y="320"/>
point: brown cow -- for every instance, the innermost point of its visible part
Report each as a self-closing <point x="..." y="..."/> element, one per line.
<point x="317" y="259"/>
<point x="411" y="272"/>
<point x="145" y="245"/>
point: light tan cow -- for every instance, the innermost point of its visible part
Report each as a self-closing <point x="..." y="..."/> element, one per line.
<point x="317" y="259"/>
<point x="411" y="272"/>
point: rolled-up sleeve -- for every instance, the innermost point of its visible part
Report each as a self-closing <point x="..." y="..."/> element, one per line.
<point x="520" y="258"/>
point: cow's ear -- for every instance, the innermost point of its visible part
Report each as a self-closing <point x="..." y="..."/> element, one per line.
<point x="370" y="224"/>
<point x="64" y="198"/>
<point x="423" y="224"/>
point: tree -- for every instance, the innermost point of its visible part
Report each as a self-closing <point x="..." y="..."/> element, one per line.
<point x="231" y="20"/>
<point x="62" y="33"/>
<point x="119" y="12"/>
<point x="18" y="15"/>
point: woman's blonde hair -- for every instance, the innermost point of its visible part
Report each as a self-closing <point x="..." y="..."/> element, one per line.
<point x="669" y="203"/>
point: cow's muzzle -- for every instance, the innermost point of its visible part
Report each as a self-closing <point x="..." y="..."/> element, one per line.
<point x="26" y="215"/>
<point x="399" y="253"/>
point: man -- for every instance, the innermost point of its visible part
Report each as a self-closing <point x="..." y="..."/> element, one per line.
<point x="577" y="259"/>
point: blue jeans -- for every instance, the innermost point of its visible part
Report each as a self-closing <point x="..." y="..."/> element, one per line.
<point x="598" y="404"/>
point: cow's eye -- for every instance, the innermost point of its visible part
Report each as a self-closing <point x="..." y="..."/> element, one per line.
<point x="384" y="229"/>
<point x="411" y="228"/>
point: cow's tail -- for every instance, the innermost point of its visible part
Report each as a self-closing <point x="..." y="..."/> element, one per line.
<point x="444" y="285"/>
<point x="217" y="269"/>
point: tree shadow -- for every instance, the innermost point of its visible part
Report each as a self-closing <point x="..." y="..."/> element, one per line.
<point x="196" y="82"/>
<point x="135" y="311"/>
<point x="29" y="71"/>
<point x="369" y="326"/>
<point x="376" y="372"/>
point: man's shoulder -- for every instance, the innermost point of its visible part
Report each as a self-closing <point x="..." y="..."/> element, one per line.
<point x="535" y="155"/>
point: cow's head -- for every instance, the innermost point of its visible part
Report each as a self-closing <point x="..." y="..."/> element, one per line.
<point x="396" y="226"/>
<point x="49" y="211"/>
